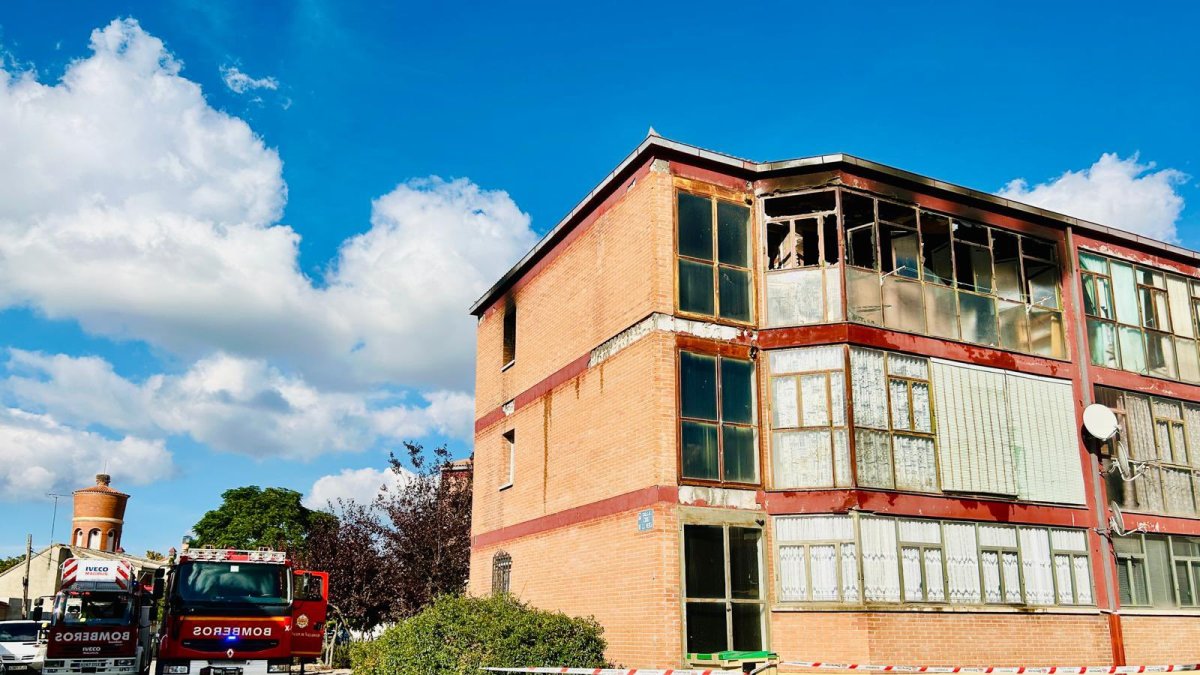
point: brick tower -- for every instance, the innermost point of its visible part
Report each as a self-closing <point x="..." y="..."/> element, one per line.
<point x="99" y="516"/>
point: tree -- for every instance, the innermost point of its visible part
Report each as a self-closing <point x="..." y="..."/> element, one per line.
<point x="6" y="563"/>
<point x="154" y="555"/>
<point x="388" y="559"/>
<point x="252" y="517"/>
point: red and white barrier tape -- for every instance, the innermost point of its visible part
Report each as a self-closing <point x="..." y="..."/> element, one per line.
<point x="609" y="671"/>
<point x="999" y="670"/>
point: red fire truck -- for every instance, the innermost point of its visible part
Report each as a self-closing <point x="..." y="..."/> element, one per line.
<point x="100" y="622"/>
<point x="233" y="612"/>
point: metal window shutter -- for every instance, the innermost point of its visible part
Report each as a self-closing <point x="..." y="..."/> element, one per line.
<point x="1045" y="451"/>
<point x="974" y="445"/>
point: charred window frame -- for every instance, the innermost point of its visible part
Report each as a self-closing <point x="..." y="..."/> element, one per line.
<point x="1140" y="319"/>
<point x="501" y="573"/>
<point x="724" y="605"/>
<point x="923" y="272"/>
<point x="717" y="415"/>
<point x="510" y="334"/>
<point x="712" y="246"/>
<point x="801" y="259"/>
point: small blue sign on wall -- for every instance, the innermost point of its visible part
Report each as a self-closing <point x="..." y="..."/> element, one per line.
<point x="646" y="520"/>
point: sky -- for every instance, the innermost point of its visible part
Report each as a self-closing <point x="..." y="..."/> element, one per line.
<point x="238" y="241"/>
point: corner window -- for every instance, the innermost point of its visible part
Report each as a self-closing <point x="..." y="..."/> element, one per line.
<point x="713" y="250"/>
<point x="1158" y="571"/>
<point x="501" y="573"/>
<point x="716" y="399"/>
<point x="510" y="333"/>
<point x="509" y="439"/>
<point x="723" y="595"/>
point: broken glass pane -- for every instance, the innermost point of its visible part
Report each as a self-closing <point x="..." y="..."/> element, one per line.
<point x="699" y="451"/>
<point x="898" y="214"/>
<point x="808" y="241"/>
<point x="698" y="386"/>
<point x="1154" y="308"/>
<point x="1007" y="251"/>
<point x="863" y="296"/>
<point x="695" y="287"/>
<point x="899" y="251"/>
<point x="977" y="318"/>
<point x="1125" y="293"/>
<point x="695" y="226"/>
<point x="1014" y="325"/>
<point x="857" y="210"/>
<point x="781" y="246"/>
<point x="1160" y="355"/>
<point x="737" y="391"/>
<point x="973" y="267"/>
<point x="706" y="628"/>
<point x="743" y="563"/>
<point x="1043" y="283"/>
<point x="1046" y="333"/>
<point x="874" y="451"/>
<point x="735" y="294"/>
<point x="801" y="204"/>
<point x="941" y="312"/>
<point x="935" y="245"/>
<point x="1102" y="342"/>
<point x="829" y="238"/>
<point x="732" y="241"/>
<point x="860" y="246"/>
<point x="903" y="305"/>
<point x="1039" y="249"/>
<point x="739" y="454"/>
<point x="704" y="556"/>
<point x="747" y="626"/>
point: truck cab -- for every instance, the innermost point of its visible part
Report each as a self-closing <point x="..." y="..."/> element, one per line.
<point x="100" y="621"/>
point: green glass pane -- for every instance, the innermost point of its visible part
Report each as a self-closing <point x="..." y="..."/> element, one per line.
<point x="735" y="294"/>
<point x="1125" y="294"/>
<point x="704" y="561"/>
<point x="1102" y="343"/>
<point x="739" y="454"/>
<point x="737" y="391"/>
<point x="1093" y="263"/>
<point x="698" y="386"/>
<point x="747" y="626"/>
<point x="977" y="318"/>
<point x="1133" y="350"/>
<point x="733" y="220"/>
<point x="700" y="451"/>
<point x="695" y="226"/>
<point x="695" y="287"/>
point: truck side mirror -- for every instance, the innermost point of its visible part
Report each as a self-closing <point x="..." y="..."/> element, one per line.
<point x="160" y="578"/>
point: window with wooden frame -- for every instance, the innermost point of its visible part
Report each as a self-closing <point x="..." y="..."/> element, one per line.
<point x="1139" y="319"/>
<point x="501" y="573"/>
<point x="712" y="248"/>
<point x="810" y="444"/>
<point x="1162" y="437"/>
<point x="716" y="410"/>
<point x="1158" y="571"/>
<point x="722" y="589"/>
<point x="893" y="421"/>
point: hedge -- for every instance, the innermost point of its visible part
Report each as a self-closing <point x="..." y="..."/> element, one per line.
<point x="460" y="634"/>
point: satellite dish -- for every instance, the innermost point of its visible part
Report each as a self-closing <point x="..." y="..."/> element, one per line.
<point x="1116" y="522"/>
<point x="1100" y="422"/>
<point x="1123" y="464"/>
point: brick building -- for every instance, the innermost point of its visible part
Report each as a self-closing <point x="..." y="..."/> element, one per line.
<point x="832" y="408"/>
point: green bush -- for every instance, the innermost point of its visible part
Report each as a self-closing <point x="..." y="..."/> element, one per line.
<point x="459" y="635"/>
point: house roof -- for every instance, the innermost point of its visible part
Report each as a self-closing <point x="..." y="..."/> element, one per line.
<point x="656" y="145"/>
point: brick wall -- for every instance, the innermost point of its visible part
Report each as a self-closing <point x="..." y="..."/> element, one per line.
<point x="607" y="432"/>
<point x="1151" y="640"/>
<point x="950" y="638"/>
<point x="628" y="580"/>
<point x="617" y="271"/>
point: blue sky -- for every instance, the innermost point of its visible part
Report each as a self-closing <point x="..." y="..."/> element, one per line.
<point x="257" y="282"/>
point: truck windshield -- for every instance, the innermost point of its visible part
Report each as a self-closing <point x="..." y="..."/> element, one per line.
<point x="18" y="631"/>
<point x="93" y="609"/>
<point x="226" y="582"/>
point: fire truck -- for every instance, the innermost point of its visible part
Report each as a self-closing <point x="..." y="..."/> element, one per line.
<point x="100" y="621"/>
<point x="231" y="612"/>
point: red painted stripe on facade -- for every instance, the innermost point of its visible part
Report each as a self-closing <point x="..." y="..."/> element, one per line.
<point x="1123" y="379"/>
<point x="637" y="499"/>
<point x="925" y="506"/>
<point x="883" y="338"/>
<point x="685" y="170"/>
<point x="535" y="392"/>
<point x="1161" y="524"/>
<point x="1135" y="255"/>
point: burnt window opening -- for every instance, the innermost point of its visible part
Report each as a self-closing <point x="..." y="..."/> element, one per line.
<point x="509" y="441"/>
<point x="858" y="219"/>
<point x="722" y="588"/>
<point x="501" y="573"/>
<point x="510" y="333"/>
<point x="803" y="231"/>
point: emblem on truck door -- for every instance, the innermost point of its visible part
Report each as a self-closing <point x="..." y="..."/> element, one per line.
<point x="302" y="621"/>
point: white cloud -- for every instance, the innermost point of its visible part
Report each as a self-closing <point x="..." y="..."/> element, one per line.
<point x="360" y="486"/>
<point x="38" y="454"/>
<point x="1122" y="193"/>
<point x="130" y="205"/>
<point x="230" y="404"/>
<point x="241" y="83"/>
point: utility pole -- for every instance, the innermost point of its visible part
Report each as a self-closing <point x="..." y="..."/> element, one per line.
<point x="25" y="580"/>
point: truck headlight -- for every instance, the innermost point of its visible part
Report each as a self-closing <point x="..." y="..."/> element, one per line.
<point x="176" y="669"/>
<point x="278" y="667"/>
<point x="125" y="662"/>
